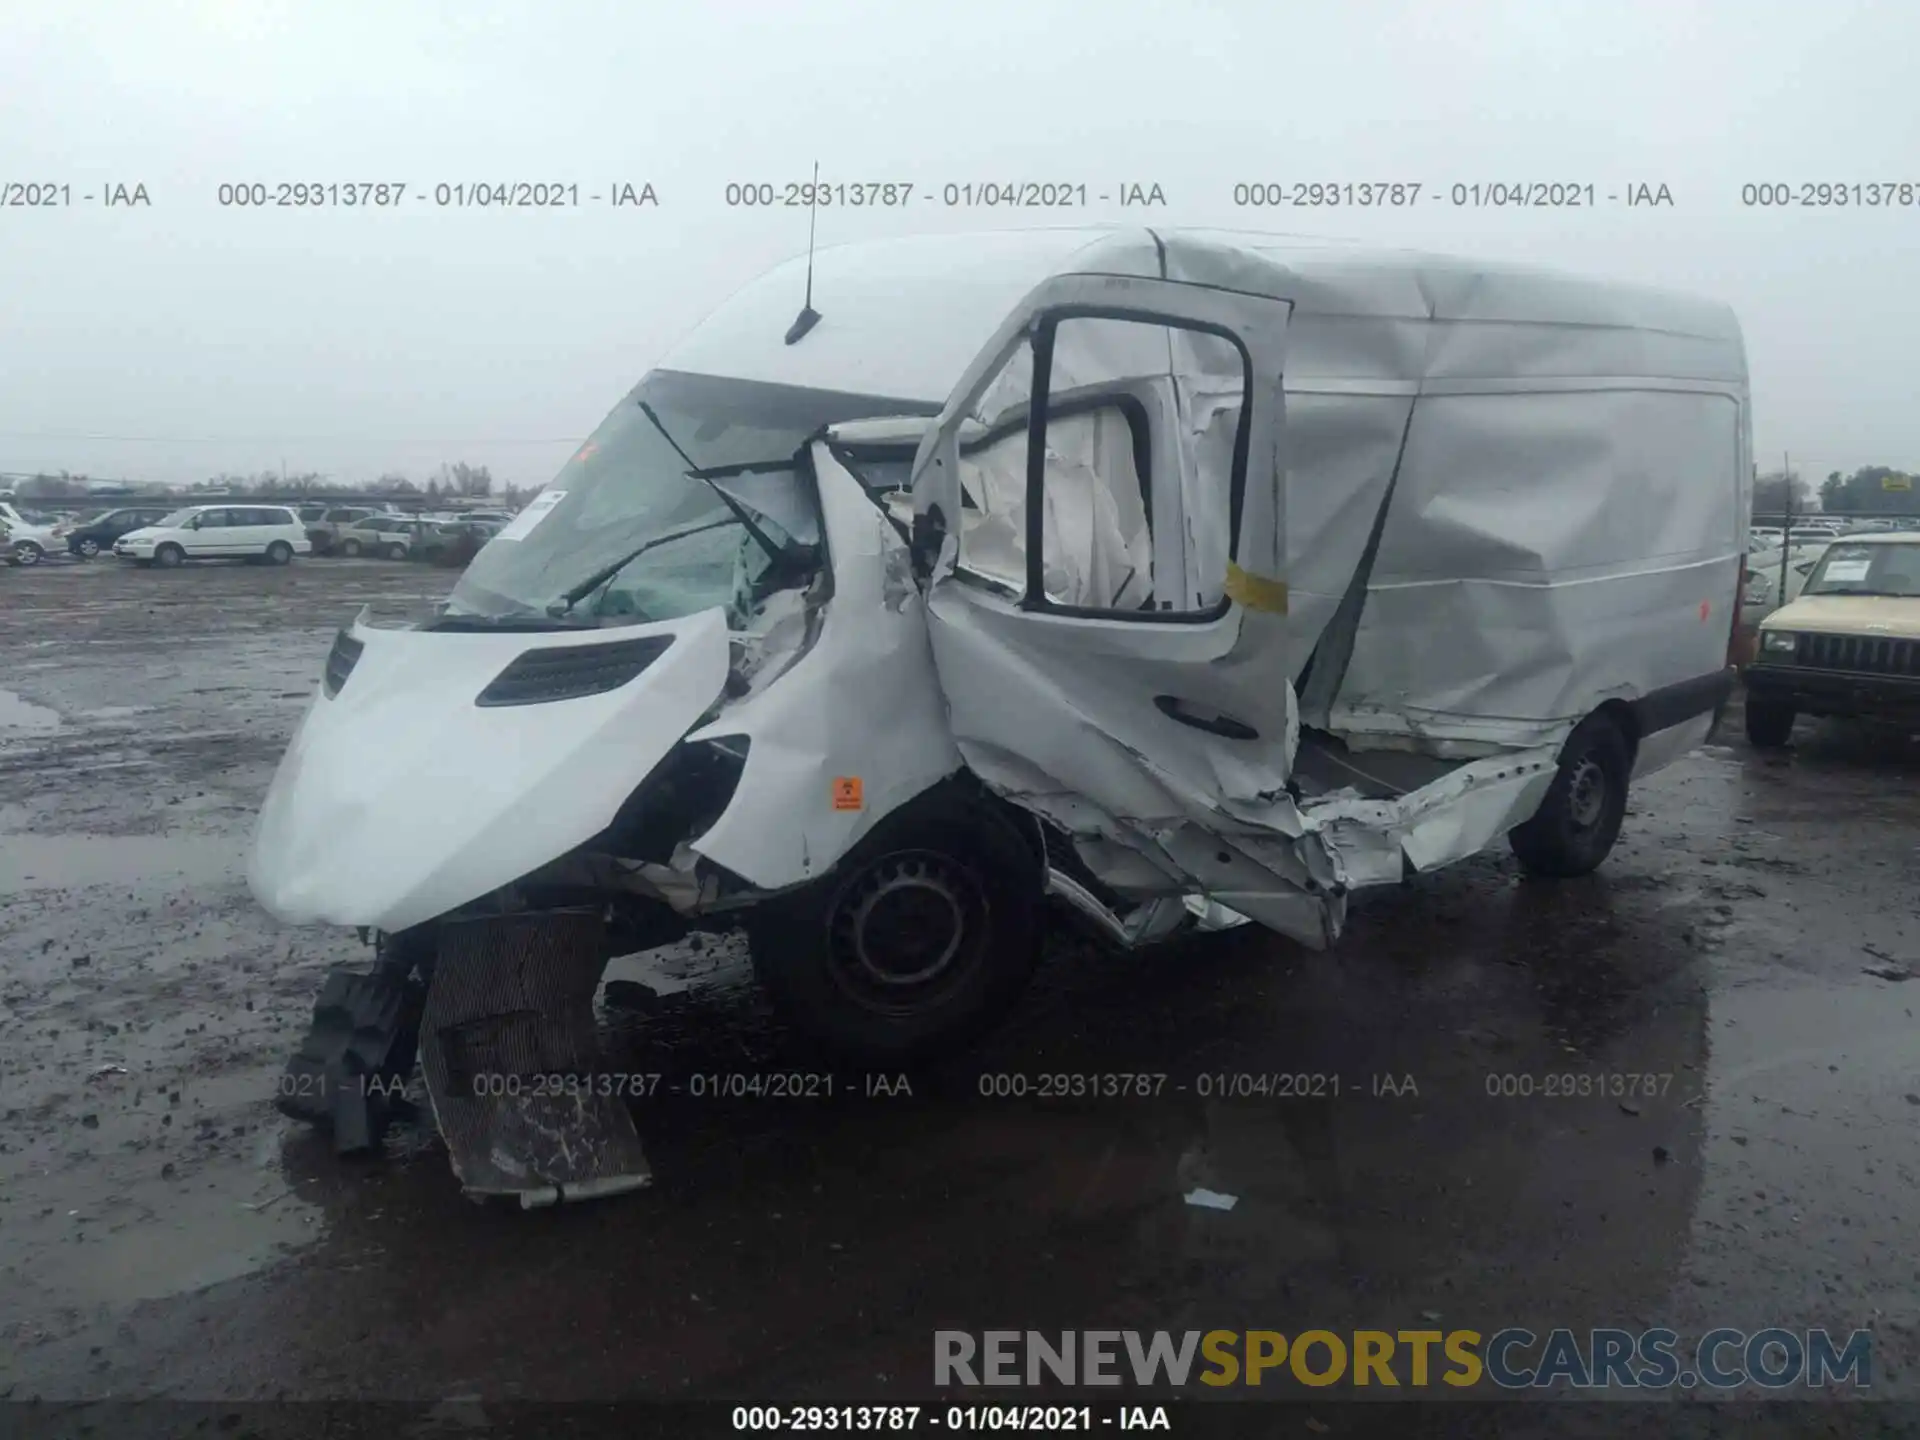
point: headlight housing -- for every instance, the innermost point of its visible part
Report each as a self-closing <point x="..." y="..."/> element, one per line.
<point x="1778" y="642"/>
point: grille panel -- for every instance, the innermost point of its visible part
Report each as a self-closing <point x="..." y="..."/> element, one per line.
<point x="1860" y="654"/>
<point x="340" y="662"/>
<point x="540" y="677"/>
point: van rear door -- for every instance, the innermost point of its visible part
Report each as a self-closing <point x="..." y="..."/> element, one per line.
<point x="1097" y="530"/>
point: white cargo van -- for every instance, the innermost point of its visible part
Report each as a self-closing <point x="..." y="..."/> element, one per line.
<point x="1160" y="578"/>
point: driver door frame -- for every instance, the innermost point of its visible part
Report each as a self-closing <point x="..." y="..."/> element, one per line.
<point x="1206" y="804"/>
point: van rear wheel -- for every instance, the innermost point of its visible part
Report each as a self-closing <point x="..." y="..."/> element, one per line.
<point x="920" y="939"/>
<point x="1579" y="820"/>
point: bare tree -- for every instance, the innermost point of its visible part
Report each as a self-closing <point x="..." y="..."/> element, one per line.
<point x="1778" y="491"/>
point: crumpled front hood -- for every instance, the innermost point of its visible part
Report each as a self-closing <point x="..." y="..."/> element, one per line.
<point x="400" y="798"/>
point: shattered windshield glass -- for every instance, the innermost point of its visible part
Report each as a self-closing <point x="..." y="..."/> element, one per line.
<point x="653" y="537"/>
<point x="1878" y="569"/>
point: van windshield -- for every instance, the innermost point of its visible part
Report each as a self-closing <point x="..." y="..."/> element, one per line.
<point x="629" y="492"/>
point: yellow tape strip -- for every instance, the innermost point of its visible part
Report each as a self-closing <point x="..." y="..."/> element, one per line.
<point x="1256" y="592"/>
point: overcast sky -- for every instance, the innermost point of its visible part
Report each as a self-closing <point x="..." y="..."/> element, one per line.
<point x="181" y="339"/>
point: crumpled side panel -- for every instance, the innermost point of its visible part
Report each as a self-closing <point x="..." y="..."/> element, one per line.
<point x="784" y="824"/>
<point x="1545" y="552"/>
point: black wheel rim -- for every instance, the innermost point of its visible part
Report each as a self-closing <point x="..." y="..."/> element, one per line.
<point x="906" y="931"/>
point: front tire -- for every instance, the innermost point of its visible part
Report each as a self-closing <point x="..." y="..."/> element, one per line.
<point x="1579" y="820"/>
<point x="279" y="553"/>
<point x="350" y="549"/>
<point x="396" y="552"/>
<point x="86" y="549"/>
<point x="168" y="556"/>
<point x="28" y="553"/>
<point x="1769" y="723"/>
<point x="921" y="938"/>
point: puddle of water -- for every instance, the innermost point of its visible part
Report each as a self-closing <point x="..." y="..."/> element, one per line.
<point x="45" y="862"/>
<point x="116" y="712"/>
<point x="23" y="716"/>
<point x="1810" y="1153"/>
<point x="155" y="1243"/>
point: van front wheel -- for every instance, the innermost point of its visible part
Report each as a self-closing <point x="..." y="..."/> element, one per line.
<point x="917" y="942"/>
<point x="1577" y="823"/>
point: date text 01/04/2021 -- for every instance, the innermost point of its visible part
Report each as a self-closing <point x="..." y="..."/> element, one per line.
<point x="902" y="1418"/>
<point x="967" y="194"/>
<point x="1478" y="195"/>
<point x="1208" y="1085"/>
<point x="459" y="195"/>
<point x="698" y="1085"/>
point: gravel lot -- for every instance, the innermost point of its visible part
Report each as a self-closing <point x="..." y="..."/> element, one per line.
<point x="164" y="1232"/>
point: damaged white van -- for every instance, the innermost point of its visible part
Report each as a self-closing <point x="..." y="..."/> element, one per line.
<point x="1147" y="577"/>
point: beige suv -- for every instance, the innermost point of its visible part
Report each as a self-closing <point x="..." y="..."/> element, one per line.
<point x="1849" y="646"/>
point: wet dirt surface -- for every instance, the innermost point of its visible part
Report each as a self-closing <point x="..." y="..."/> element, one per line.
<point x="1739" y="1148"/>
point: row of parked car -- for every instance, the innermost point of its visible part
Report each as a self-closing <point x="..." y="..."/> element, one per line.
<point x="167" y="535"/>
<point x="355" y="530"/>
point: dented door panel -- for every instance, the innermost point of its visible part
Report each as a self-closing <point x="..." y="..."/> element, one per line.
<point x="1167" y="749"/>
<point x="1166" y="726"/>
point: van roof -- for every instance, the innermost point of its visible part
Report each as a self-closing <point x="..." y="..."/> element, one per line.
<point x="901" y="318"/>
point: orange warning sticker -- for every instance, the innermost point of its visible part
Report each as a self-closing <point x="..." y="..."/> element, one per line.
<point x="846" y="793"/>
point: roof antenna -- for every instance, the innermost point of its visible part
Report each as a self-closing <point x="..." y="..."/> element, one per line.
<point x="808" y="316"/>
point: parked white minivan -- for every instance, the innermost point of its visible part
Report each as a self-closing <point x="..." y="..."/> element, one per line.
<point x="218" y="532"/>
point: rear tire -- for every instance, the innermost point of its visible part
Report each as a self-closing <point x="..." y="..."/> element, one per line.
<point x="919" y="940"/>
<point x="1769" y="723"/>
<point x="396" y="552"/>
<point x="1579" y="820"/>
<point x="86" y="549"/>
<point x="350" y="549"/>
<point x="168" y="556"/>
<point x="279" y="553"/>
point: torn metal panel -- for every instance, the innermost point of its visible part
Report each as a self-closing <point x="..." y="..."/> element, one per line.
<point x="860" y="704"/>
<point x="1371" y="842"/>
<point x="512" y="1060"/>
<point x="787" y="624"/>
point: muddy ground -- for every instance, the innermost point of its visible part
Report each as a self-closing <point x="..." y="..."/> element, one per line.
<point x="163" y="1232"/>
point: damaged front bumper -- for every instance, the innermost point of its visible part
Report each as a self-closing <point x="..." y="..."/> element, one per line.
<point x="507" y="1045"/>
